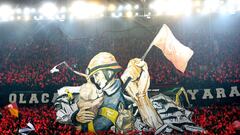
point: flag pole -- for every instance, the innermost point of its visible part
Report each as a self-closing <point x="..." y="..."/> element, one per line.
<point x="146" y="52"/>
<point x="142" y="59"/>
<point x="150" y="46"/>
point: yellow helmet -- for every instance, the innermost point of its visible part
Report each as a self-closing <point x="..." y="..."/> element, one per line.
<point x="102" y="60"/>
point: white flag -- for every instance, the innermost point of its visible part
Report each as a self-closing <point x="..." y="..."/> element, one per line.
<point x="173" y="50"/>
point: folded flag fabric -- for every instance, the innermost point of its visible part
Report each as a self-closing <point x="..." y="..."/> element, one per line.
<point x="172" y="49"/>
<point x="13" y="109"/>
<point x="24" y="131"/>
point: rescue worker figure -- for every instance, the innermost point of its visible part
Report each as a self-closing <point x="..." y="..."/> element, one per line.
<point x="102" y="71"/>
<point x="96" y="106"/>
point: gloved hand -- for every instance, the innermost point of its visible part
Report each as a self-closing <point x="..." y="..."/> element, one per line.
<point x="88" y="110"/>
<point x="134" y="68"/>
<point x="138" y="71"/>
<point x="84" y="116"/>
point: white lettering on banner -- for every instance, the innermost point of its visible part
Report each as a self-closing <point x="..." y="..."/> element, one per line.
<point x="12" y="98"/>
<point x="220" y="93"/>
<point x="45" y="97"/>
<point x="192" y="93"/>
<point x="234" y="91"/>
<point x="207" y="93"/>
<point x="33" y="99"/>
<point x="21" y="100"/>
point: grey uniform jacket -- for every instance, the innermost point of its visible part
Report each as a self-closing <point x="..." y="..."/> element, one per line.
<point x="65" y="107"/>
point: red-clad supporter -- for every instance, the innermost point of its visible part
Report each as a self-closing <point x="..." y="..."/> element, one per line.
<point x="30" y="65"/>
<point x="215" y="119"/>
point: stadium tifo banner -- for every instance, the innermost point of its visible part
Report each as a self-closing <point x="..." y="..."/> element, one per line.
<point x="196" y="96"/>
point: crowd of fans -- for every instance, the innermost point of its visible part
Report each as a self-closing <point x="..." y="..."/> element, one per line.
<point x="214" y="119"/>
<point x="218" y="119"/>
<point x="43" y="119"/>
<point x="30" y="64"/>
